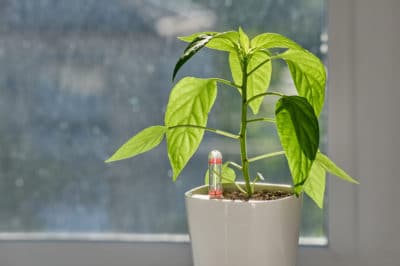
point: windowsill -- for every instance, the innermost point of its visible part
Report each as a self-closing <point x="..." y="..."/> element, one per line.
<point x="124" y="237"/>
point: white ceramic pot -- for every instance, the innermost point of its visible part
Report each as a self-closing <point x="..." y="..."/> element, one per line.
<point x="229" y="233"/>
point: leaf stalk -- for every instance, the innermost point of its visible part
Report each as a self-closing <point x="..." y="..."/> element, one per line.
<point x="265" y="156"/>
<point x="227" y="82"/>
<point x="264" y="94"/>
<point x="217" y="131"/>
<point x="262" y="119"/>
<point x="258" y="66"/>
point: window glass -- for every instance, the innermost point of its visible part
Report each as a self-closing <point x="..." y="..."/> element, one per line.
<point x="78" y="78"/>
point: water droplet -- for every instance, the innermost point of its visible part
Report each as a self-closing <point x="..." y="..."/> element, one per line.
<point x="63" y="125"/>
<point x="323" y="48"/>
<point x="43" y="172"/>
<point x="96" y="130"/>
<point x="150" y="68"/>
<point x="134" y="101"/>
<point x="324" y="37"/>
<point x="19" y="182"/>
<point x="26" y="44"/>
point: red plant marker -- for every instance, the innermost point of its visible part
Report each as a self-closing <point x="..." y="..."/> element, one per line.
<point x="214" y="174"/>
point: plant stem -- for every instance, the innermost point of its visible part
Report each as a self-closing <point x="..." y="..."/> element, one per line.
<point x="217" y="131"/>
<point x="264" y="119"/>
<point x="265" y="156"/>
<point x="243" y="130"/>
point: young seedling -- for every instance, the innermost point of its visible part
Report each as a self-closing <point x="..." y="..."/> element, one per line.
<point x="250" y="61"/>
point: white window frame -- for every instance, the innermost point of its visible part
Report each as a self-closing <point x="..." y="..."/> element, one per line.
<point x="344" y="247"/>
<point x="341" y="197"/>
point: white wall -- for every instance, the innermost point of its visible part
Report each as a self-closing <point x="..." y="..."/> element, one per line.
<point x="377" y="118"/>
<point x="364" y="126"/>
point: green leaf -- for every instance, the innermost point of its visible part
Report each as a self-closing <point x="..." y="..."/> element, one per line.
<point x="224" y="41"/>
<point x="189" y="103"/>
<point x="258" y="81"/>
<point x="331" y="167"/>
<point x="315" y="183"/>
<point x="309" y="76"/>
<point x="273" y="40"/>
<point x="236" y="67"/>
<point x="314" y="186"/>
<point x="193" y="47"/>
<point x="145" y="140"/>
<point x="298" y="131"/>
<point x="227" y="173"/>
<point x="192" y="37"/>
<point x="244" y="40"/>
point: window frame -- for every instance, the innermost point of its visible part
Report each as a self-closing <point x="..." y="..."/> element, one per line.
<point x="342" y="239"/>
<point x="342" y="211"/>
<point x="341" y="197"/>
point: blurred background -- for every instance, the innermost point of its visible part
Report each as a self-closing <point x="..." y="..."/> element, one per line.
<point x="80" y="77"/>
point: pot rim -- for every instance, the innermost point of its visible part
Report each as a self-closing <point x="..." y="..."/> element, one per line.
<point x="192" y="192"/>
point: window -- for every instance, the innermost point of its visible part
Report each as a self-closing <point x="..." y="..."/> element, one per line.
<point x="78" y="78"/>
<point x="354" y="238"/>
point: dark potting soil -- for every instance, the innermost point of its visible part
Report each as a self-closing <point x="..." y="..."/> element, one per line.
<point x="258" y="195"/>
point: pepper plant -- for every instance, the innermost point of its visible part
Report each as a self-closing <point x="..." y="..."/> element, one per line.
<point x="250" y="61"/>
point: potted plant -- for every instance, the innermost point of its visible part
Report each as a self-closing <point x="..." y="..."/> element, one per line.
<point x="246" y="231"/>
